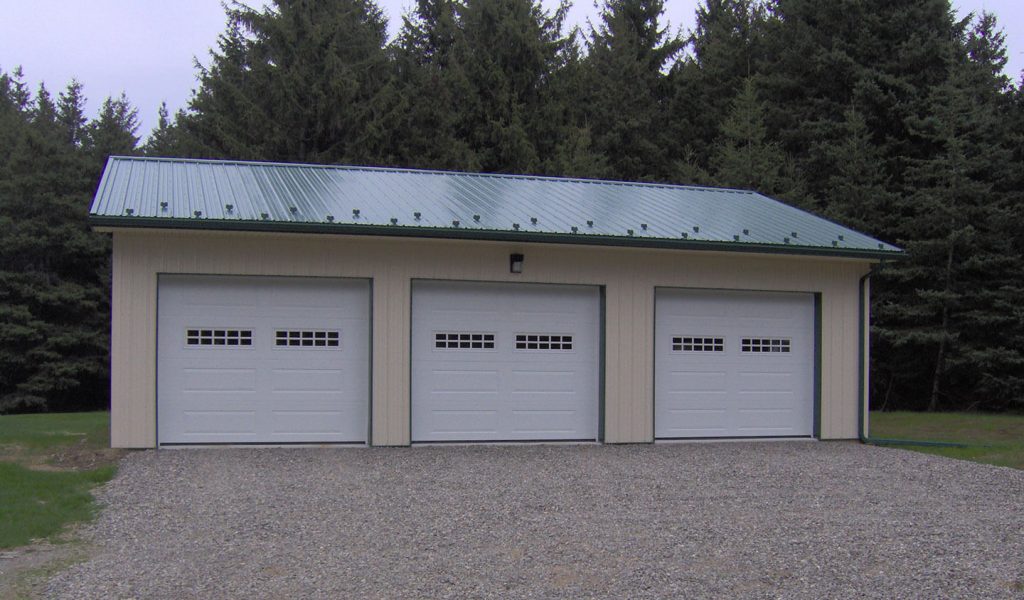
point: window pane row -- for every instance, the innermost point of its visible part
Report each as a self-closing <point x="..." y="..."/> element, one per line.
<point x="682" y="343"/>
<point x="312" y="338"/>
<point x="698" y="344"/>
<point x="464" y="340"/>
<point x="543" y="341"/>
<point x="218" y="337"/>
<point x="765" y="345"/>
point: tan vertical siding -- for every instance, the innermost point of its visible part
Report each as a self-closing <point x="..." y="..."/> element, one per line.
<point x="629" y="276"/>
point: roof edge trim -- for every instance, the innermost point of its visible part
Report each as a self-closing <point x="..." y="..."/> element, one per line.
<point x="487" y="235"/>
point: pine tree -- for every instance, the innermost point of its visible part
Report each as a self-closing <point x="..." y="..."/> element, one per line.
<point x="295" y="81"/>
<point x="54" y="281"/>
<point x="744" y="157"/>
<point x="114" y="131"/>
<point x="576" y="156"/>
<point x="881" y="56"/>
<point x="71" y="113"/>
<point x="166" y="138"/>
<point x="725" y="49"/>
<point x="626" y="89"/>
<point x="940" y="311"/>
<point x="508" y="51"/>
<point x="855" y="187"/>
<point x="424" y="133"/>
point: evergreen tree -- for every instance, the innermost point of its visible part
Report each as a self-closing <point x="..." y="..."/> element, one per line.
<point x="71" y="113"/>
<point x="421" y="121"/>
<point x="725" y="49"/>
<point x="296" y="81"/>
<point x="114" y="131"/>
<point x="881" y="56"/>
<point x="855" y="189"/>
<point x="508" y="51"/>
<point x="939" y="311"/>
<point x="44" y="112"/>
<point x="54" y="283"/>
<point x="743" y="157"/>
<point x="166" y="139"/>
<point x="626" y="90"/>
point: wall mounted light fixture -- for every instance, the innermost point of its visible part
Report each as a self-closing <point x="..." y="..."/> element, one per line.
<point x="515" y="263"/>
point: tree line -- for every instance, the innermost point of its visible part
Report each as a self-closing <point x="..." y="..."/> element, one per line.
<point x="891" y="116"/>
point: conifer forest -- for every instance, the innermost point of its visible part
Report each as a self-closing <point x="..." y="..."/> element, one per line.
<point x="893" y="117"/>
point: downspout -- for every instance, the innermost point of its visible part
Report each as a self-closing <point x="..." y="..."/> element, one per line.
<point x="862" y="389"/>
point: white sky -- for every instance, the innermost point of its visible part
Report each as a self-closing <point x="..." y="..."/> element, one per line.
<point x="146" y="47"/>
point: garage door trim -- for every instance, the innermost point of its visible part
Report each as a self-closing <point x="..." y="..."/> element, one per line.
<point x="601" y="336"/>
<point x="156" y="361"/>
<point x="816" y="367"/>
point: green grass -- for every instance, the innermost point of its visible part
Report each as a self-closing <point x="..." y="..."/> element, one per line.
<point x="992" y="439"/>
<point x="48" y="465"/>
<point x="46" y="431"/>
<point x="38" y="504"/>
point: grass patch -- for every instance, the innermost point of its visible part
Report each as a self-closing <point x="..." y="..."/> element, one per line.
<point x="45" y="432"/>
<point x="38" y="504"/>
<point x="49" y="463"/>
<point x="991" y="439"/>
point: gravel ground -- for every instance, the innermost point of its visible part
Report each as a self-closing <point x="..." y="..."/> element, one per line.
<point x="745" y="520"/>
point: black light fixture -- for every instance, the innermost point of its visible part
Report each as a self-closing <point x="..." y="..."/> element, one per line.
<point x="515" y="263"/>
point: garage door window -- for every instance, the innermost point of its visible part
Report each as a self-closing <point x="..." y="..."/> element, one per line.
<point x="464" y="340"/>
<point x="764" y="345"/>
<point x="543" y="341"/>
<point x="698" y="344"/>
<point x="218" y="337"/>
<point x="307" y="338"/>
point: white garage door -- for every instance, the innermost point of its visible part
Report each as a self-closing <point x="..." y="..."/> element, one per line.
<point x="262" y="360"/>
<point x="504" y="362"/>
<point x="734" y="364"/>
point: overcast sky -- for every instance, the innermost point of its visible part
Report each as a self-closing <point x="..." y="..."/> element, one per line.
<point x="146" y="48"/>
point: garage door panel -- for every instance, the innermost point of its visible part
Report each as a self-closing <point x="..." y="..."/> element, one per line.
<point x="733" y="392"/>
<point x="767" y="401"/>
<point x="695" y="422"/>
<point x="528" y="392"/>
<point x="309" y="401"/>
<point x="306" y="380"/>
<point x="552" y="402"/>
<point x="766" y="381"/>
<point x="544" y="381"/>
<point x="682" y="382"/>
<point x="309" y="382"/>
<point x="708" y="311"/>
<point x="206" y="292"/>
<point x="213" y="380"/>
<point x="777" y="418"/>
<point x="219" y="401"/>
<point x="220" y="422"/>
<point x="464" y="425"/>
<point x="693" y="399"/>
<point x="295" y="422"/>
<point x="544" y="423"/>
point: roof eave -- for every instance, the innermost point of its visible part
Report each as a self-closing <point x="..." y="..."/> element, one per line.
<point x="486" y="235"/>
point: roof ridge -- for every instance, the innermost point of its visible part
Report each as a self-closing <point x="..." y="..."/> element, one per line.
<point x="515" y="176"/>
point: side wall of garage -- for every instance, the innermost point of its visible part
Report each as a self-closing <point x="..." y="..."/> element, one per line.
<point x="629" y="277"/>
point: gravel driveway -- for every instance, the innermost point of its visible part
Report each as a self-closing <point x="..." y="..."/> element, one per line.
<point x="757" y="520"/>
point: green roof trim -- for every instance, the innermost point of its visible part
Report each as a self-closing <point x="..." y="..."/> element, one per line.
<point x="322" y="199"/>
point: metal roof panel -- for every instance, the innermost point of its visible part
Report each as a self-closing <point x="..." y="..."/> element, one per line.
<point x="187" y="193"/>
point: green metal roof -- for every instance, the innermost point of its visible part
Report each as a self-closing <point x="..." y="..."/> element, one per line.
<point x="257" y="196"/>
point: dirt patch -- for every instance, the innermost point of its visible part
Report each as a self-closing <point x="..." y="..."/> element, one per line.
<point x="84" y="457"/>
<point x="25" y="570"/>
<point x="80" y="456"/>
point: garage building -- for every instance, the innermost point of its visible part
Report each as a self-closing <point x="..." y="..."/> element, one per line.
<point x="267" y="303"/>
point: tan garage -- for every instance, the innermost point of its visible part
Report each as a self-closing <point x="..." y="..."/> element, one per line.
<point x="392" y="307"/>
